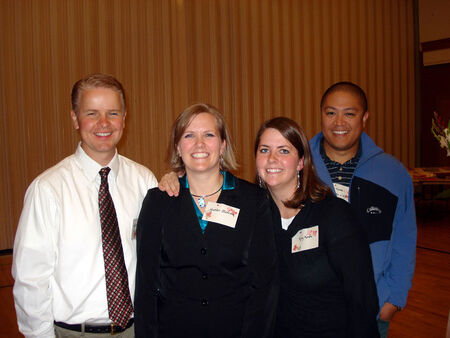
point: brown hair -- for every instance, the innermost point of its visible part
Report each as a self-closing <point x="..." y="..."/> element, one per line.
<point x="349" y="87"/>
<point x="228" y="161"/>
<point x="311" y="187"/>
<point x="96" y="81"/>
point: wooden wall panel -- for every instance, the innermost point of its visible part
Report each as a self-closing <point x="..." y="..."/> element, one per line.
<point x="253" y="59"/>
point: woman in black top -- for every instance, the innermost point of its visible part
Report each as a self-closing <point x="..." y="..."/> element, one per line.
<point x="206" y="259"/>
<point x="327" y="284"/>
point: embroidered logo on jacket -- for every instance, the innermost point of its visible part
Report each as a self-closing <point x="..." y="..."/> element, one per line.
<point x="373" y="210"/>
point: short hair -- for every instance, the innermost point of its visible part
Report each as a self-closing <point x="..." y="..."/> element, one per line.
<point x="180" y="125"/>
<point x="96" y="81"/>
<point x="346" y="86"/>
<point x="311" y="187"/>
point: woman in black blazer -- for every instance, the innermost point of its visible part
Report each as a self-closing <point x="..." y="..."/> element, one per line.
<point x="206" y="259"/>
<point x="327" y="288"/>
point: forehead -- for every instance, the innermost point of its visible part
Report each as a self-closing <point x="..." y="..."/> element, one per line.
<point x="343" y="99"/>
<point x="273" y="137"/>
<point x="100" y="95"/>
<point x="202" y="121"/>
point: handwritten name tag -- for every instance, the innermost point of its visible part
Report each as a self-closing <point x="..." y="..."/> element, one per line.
<point x="221" y="213"/>
<point x="305" y="239"/>
<point x="341" y="191"/>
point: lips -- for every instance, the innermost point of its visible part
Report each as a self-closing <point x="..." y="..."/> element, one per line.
<point x="273" y="170"/>
<point x="340" y="132"/>
<point x="104" y="134"/>
<point x="200" y="155"/>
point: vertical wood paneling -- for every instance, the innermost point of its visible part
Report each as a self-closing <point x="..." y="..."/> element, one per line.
<point x="306" y="74"/>
<point x="253" y="59"/>
<point x="408" y="157"/>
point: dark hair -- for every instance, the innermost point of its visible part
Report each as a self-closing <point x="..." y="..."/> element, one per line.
<point x="96" y="81"/>
<point x="346" y="87"/>
<point x="311" y="187"/>
<point x="179" y="127"/>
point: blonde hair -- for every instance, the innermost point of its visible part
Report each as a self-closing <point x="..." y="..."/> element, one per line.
<point x="228" y="160"/>
<point x="96" y="81"/>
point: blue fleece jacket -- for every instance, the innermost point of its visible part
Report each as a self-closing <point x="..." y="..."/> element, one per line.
<point x="381" y="192"/>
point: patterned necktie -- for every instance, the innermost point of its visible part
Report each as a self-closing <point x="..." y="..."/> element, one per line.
<point x="120" y="307"/>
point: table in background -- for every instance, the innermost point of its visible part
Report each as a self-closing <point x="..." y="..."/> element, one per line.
<point x="431" y="183"/>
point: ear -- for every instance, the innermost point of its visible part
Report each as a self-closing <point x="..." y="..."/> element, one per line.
<point x="222" y="147"/>
<point x="124" y="116"/>
<point x="74" y="117"/>
<point x="365" y="118"/>
<point x="300" y="164"/>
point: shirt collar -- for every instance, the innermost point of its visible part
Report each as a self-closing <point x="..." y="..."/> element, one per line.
<point x="91" y="168"/>
<point x="229" y="182"/>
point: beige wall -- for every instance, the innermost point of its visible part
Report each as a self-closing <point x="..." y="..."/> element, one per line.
<point x="434" y="24"/>
<point x="253" y="59"/>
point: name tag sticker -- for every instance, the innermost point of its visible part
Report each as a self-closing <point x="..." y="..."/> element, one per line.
<point x="133" y="229"/>
<point x="221" y="213"/>
<point x="341" y="191"/>
<point x="305" y="239"/>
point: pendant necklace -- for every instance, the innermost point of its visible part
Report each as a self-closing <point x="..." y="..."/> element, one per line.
<point x="201" y="198"/>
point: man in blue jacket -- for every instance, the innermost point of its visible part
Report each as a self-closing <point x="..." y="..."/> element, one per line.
<point x="378" y="187"/>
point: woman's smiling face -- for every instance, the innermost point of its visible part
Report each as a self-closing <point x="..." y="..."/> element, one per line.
<point x="278" y="162"/>
<point x="200" y="145"/>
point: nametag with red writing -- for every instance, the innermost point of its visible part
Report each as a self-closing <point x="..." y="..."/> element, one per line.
<point x="341" y="191"/>
<point x="221" y="213"/>
<point x="305" y="239"/>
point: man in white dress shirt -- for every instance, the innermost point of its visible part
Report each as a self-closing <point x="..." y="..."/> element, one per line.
<point x="58" y="262"/>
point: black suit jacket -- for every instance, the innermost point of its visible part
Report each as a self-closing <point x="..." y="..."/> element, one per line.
<point x="222" y="283"/>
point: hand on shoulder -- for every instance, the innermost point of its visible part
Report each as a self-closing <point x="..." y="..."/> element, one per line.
<point x="170" y="184"/>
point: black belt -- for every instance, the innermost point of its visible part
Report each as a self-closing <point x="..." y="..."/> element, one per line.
<point x="111" y="328"/>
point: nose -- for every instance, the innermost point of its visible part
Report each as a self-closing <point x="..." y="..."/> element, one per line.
<point x="272" y="156"/>
<point x="199" y="140"/>
<point x="103" y="120"/>
<point x="339" y="119"/>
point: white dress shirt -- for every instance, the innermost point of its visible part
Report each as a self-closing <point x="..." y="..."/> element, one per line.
<point x="58" y="262"/>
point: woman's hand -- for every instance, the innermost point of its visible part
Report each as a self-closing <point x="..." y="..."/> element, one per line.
<point x="170" y="184"/>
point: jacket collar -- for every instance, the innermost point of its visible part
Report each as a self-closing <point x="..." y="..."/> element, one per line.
<point x="368" y="147"/>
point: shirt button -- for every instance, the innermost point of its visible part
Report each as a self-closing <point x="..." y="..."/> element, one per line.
<point x="203" y="251"/>
<point x="339" y="178"/>
<point x="340" y="169"/>
<point x="205" y="276"/>
<point x="205" y="302"/>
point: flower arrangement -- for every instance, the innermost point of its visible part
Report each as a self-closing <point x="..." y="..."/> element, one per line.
<point x="440" y="132"/>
